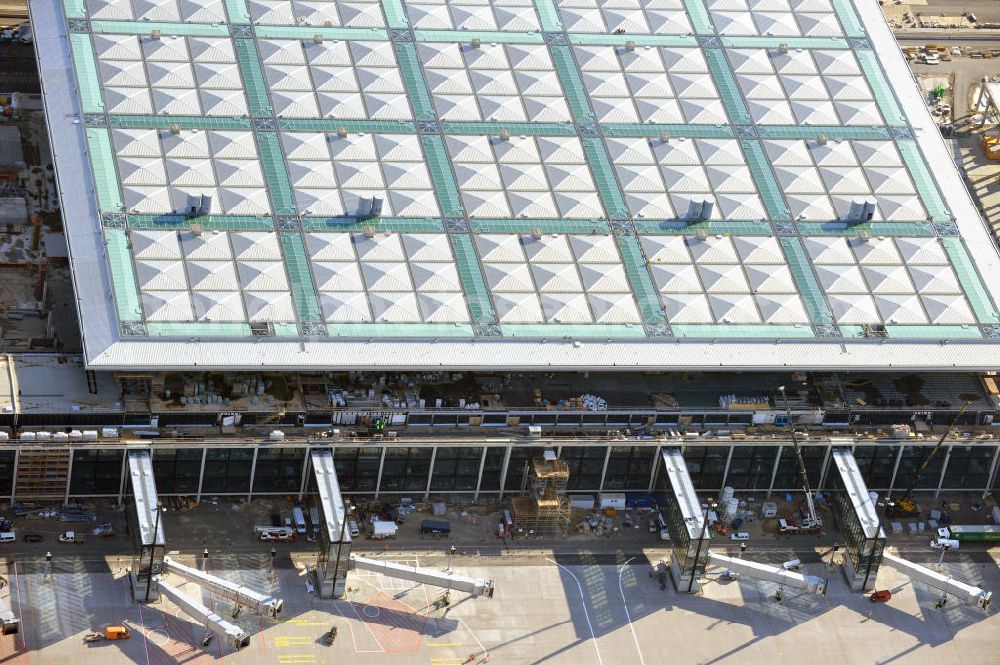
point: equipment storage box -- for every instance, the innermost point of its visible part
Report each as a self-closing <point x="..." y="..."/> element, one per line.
<point x="438" y="528"/>
<point x="614" y="500"/>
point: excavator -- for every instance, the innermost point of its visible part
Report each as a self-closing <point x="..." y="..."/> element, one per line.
<point x="905" y="507"/>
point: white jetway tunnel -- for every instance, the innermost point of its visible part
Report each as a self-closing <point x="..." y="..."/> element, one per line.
<point x="334" y="536"/>
<point x="858" y="521"/>
<point x="150" y="566"/>
<point x="864" y="539"/>
<point x="690" y="536"/>
<point x="335" y="558"/>
<point x="235" y="636"/>
<point x="473" y="586"/>
<point x="966" y="593"/>
<point x="770" y="573"/>
<point x="238" y="594"/>
<point x="686" y="522"/>
<point x="145" y="525"/>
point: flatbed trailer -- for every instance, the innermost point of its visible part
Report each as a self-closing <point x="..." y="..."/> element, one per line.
<point x="975" y="533"/>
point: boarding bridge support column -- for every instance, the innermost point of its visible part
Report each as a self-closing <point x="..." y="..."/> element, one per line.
<point x="145" y="526"/>
<point x="857" y="519"/>
<point x="334" y="537"/>
<point x="686" y="522"/>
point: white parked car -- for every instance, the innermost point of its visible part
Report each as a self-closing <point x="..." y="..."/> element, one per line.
<point x="740" y="536"/>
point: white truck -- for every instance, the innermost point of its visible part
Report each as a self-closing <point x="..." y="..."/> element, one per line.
<point x="71" y="537"/>
<point x="382" y="530"/>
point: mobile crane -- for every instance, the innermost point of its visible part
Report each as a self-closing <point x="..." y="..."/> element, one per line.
<point x="811" y="523"/>
<point x="904" y="506"/>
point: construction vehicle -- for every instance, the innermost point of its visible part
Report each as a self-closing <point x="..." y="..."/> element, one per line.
<point x="72" y="537"/>
<point x="991" y="146"/>
<point x="904" y="506"/>
<point x="811" y="522"/>
<point x="110" y="633"/>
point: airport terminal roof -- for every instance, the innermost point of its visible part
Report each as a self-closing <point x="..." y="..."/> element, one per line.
<point x="449" y="183"/>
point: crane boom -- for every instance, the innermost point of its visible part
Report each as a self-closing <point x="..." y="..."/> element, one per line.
<point x="813" y="521"/>
<point x="934" y="451"/>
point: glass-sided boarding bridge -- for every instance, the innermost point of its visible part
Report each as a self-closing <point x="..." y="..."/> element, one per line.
<point x="150" y="565"/>
<point x="855" y="513"/>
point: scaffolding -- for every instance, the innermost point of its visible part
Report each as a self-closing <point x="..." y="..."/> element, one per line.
<point x="543" y="509"/>
<point x="42" y="474"/>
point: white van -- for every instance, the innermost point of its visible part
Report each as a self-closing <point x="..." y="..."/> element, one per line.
<point x="300" y="519"/>
<point x="7" y="537"/>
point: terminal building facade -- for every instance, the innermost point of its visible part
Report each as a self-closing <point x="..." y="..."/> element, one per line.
<point x="440" y="240"/>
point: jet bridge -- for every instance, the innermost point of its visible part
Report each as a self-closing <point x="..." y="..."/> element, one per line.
<point x="241" y="596"/>
<point x="149" y="564"/>
<point x="145" y="526"/>
<point x="858" y="521"/>
<point x="335" y="558"/>
<point x="968" y="594"/>
<point x="334" y="536"/>
<point x="865" y="539"/>
<point x="769" y="573"/>
<point x="473" y="586"/>
<point x="686" y="523"/>
<point x="230" y="633"/>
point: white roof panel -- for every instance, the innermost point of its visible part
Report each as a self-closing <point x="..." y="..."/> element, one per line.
<point x="238" y="264"/>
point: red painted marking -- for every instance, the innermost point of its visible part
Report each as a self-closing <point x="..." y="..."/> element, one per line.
<point x="397" y="627"/>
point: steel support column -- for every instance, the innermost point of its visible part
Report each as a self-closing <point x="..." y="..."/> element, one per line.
<point x="305" y="472"/>
<point x="825" y="468"/>
<point x="895" y="469"/>
<point x="989" y="477"/>
<point x="479" y="478"/>
<point x="604" y="469"/>
<point x="253" y="472"/>
<point x="503" y="470"/>
<point x="201" y="474"/>
<point x="430" y="473"/>
<point x="725" y="471"/>
<point x="944" y="468"/>
<point x="69" y="476"/>
<point x="652" y="471"/>
<point x="381" y="464"/>
<point x="774" y="471"/>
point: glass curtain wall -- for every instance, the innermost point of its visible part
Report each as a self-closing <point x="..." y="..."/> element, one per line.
<point x="629" y="468"/>
<point x="227" y="471"/>
<point x="456" y="469"/>
<point x="278" y="470"/>
<point x="177" y="470"/>
<point x="585" y="466"/>
<point x="788" y="476"/>
<point x="706" y="465"/>
<point x="96" y="472"/>
<point x="492" y="469"/>
<point x="405" y="469"/>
